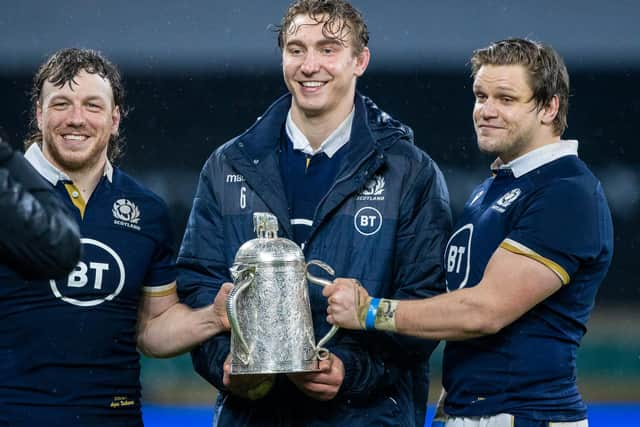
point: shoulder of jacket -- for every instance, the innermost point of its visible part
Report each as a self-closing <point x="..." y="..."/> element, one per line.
<point x="383" y="126"/>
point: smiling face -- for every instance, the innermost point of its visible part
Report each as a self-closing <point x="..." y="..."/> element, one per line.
<point x="506" y="119"/>
<point x="77" y="120"/>
<point x="319" y="70"/>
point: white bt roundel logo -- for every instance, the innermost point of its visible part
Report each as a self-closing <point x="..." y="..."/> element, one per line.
<point x="368" y="221"/>
<point x="457" y="258"/>
<point x="97" y="278"/>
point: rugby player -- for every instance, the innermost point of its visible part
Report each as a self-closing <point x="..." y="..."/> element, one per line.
<point x="350" y="187"/>
<point x="524" y="265"/>
<point x="69" y="347"/>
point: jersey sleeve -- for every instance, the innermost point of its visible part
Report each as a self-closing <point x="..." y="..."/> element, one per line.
<point x="161" y="272"/>
<point x="560" y="226"/>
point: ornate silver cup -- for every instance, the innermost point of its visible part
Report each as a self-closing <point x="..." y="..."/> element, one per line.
<point x="268" y="308"/>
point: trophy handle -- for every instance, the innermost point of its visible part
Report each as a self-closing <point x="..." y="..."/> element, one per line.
<point x="321" y="352"/>
<point x="243" y="278"/>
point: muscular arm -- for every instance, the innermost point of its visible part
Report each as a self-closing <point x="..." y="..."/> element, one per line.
<point x="167" y="328"/>
<point x="512" y="285"/>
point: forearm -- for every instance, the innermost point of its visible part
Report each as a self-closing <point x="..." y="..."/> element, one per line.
<point x="511" y="286"/>
<point x="177" y="330"/>
<point x="458" y="315"/>
<point x="463" y="314"/>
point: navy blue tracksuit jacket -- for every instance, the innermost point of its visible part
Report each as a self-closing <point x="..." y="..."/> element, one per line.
<point x="384" y="221"/>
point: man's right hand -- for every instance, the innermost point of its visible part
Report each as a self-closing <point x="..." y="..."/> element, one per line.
<point x="249" y="386"/>
<point x="348" y="303"/>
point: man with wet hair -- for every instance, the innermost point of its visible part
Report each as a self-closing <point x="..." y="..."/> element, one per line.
<point x="349" y="186"/>
<point x="69" y="346"/>
<point x="524" y="265"/>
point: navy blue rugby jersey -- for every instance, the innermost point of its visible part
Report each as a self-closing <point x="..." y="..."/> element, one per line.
<point x="299" y="173"/>
<point x="68" y="348"/>
<point x="302" y="168"/>
<point x="548" y="206"/>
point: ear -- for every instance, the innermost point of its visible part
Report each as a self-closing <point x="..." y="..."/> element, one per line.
<point x="550" y="111"/>
<point x="362" y="61"/>
<point x="39" y="115"/>
<point x="115" y="119"/>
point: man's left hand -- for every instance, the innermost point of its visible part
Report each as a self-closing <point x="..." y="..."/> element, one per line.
<point x="322" y="385"/>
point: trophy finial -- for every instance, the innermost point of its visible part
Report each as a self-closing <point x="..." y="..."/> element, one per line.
<point x="265" y="224"/>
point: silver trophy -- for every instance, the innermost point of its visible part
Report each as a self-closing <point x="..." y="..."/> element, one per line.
<point x="268" y="308"/>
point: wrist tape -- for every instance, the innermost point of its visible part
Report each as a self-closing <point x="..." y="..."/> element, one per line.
<point x="380" y="315"/>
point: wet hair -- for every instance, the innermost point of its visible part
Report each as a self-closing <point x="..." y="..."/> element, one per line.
<point x="340" y="19"/>
<point x="61" y="68"/>
<point x="548" y="76"/>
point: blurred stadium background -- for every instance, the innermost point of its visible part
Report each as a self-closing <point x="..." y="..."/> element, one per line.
<point x="198" y="72"/>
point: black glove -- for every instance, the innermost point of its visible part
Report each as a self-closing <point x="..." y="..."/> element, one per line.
<point x="38" y="237"/>
<point x="5" y="149"/>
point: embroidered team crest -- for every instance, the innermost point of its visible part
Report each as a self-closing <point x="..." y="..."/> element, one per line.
<point x="375" y="186"/>
<point x="506" y="200"/>
<point x="126" y="213"/>
<point x="373" y="189"/>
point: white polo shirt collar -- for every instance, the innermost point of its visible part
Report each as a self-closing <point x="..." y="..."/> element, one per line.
<point x="52" y="174"/>
<point x="538" y="157"/>
<point x="329" y="146"/>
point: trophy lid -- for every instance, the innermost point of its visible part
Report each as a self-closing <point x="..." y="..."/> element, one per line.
<point x="268" y="247"/>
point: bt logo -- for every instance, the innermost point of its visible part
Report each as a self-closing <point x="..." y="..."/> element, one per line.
<point x="89" y="283"/>
<point x="367" y="221"/>
<point x="78" y="278"/>
<point x="456" y="258"/>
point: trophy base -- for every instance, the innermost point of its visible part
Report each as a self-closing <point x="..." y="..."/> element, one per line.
<point x="271" y="368"/>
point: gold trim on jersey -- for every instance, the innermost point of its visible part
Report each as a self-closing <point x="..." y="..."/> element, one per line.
<point x="160" y="291"/>
<point x="76" y="197"/>
<point x="520" y="249"/>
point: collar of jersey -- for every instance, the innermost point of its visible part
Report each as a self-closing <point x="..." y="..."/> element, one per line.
<point x="538" y="157"/>
<point x="329" y="146"/>
<point x="51" y="173"/>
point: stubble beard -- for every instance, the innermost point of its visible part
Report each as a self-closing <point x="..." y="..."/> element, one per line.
<point x="75" y="162"/>
<point x="509" y="147"/>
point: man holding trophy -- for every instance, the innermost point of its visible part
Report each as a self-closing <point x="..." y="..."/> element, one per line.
<point x="532" y="247"/>
<point x="346" y="183"/>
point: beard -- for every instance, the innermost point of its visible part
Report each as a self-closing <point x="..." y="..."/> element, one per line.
<point x="74" y="161"/>
<point x="508" y="147"/>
